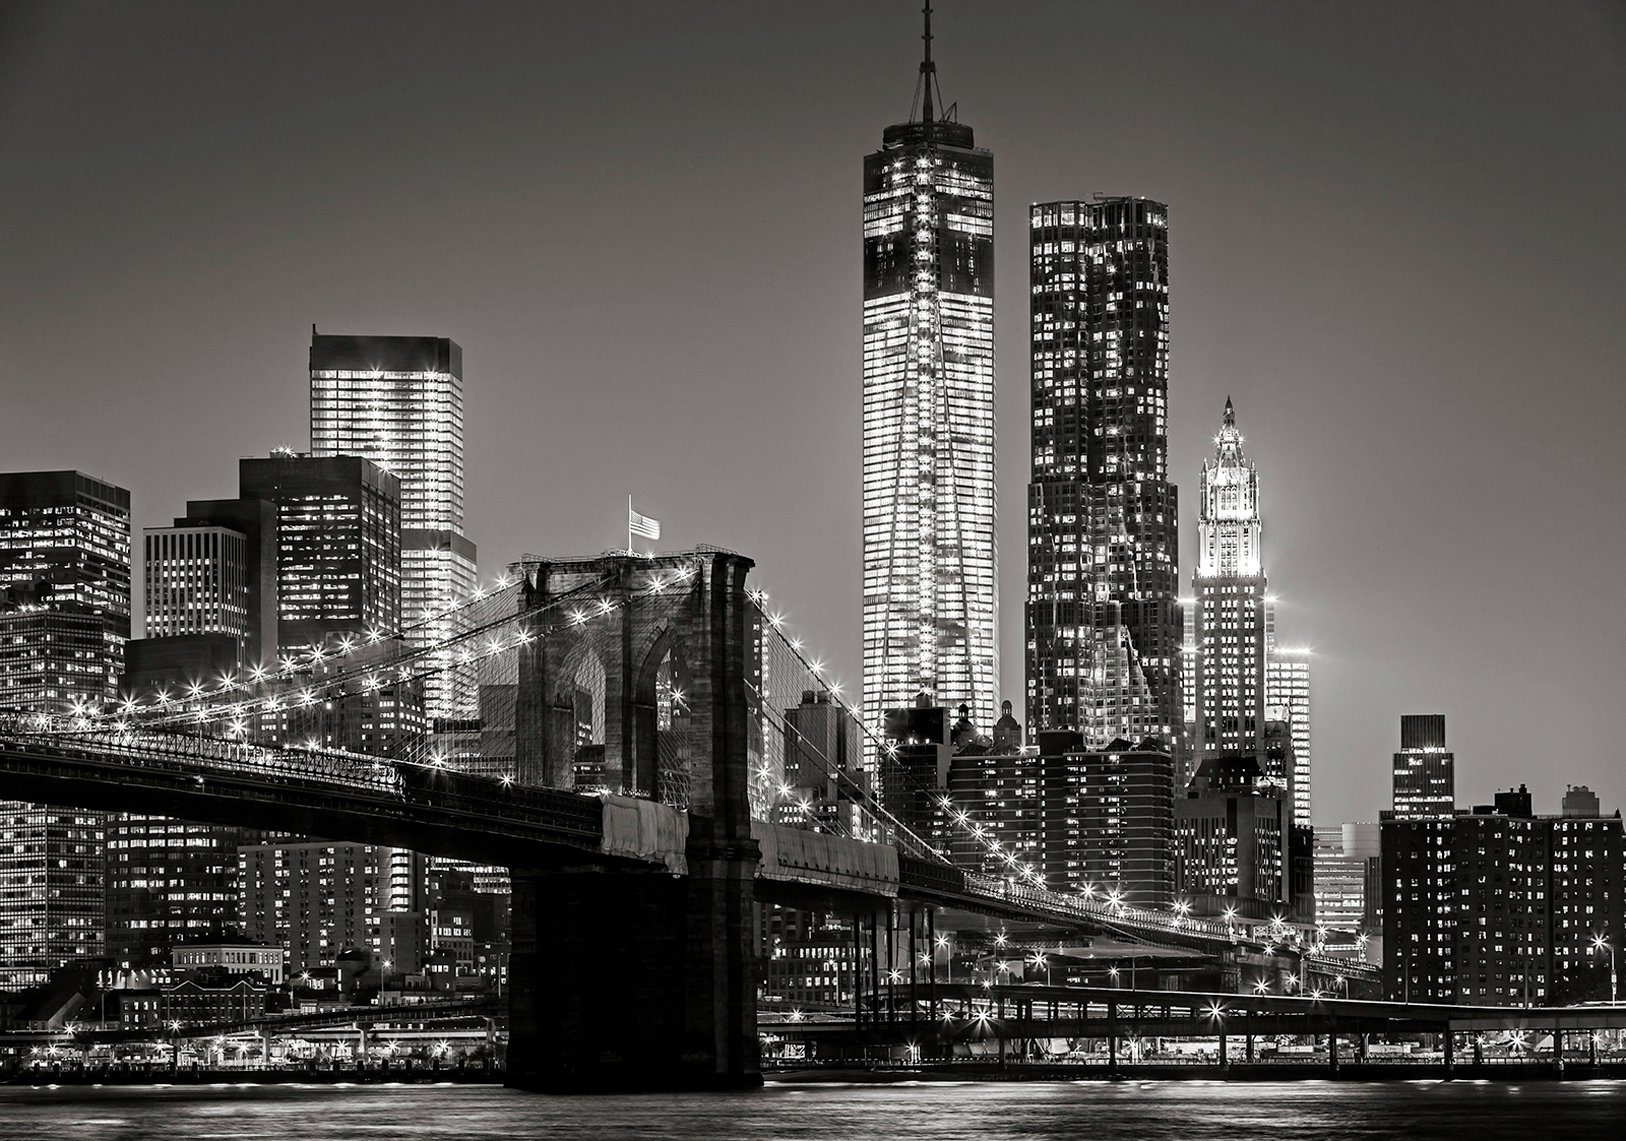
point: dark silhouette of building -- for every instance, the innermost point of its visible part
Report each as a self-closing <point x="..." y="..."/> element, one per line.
<point x="1103" y="616"/>
<point x="1233" y="840"/>
<point x="1424" y="772"/>
<point x="1579" y="800"/>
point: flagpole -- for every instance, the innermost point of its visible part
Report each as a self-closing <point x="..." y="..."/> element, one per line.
<point x="629" y="522"/>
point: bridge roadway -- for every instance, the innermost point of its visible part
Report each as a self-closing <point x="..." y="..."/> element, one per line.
<point x="439" y="811"/>
<point x="1028" y="1010"/>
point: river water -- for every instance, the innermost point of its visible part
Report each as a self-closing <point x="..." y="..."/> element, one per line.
<point x="1085" y="1111"/>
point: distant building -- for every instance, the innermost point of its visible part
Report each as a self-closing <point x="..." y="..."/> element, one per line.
<point x="64" y="625"/>
<point x="168" y="882"/>
<point x="1287" y="700"/>
<point x="214" y="572"/>
<point x="823" y="766"/>
<point x="1109" y="822"/>
<point x="1579" y="800"/>
<point x="1346" y="859"/>
<point x="1424" y="777"/>
<point x="930" y="568"/>
<point x="64" y="550"/>
<point x="1498" y="909"/>
<point x="1103" y="618"/>
<point x="1233" y="834"/>
<point x="807" y="958"/>
<point x="338" y="545"/>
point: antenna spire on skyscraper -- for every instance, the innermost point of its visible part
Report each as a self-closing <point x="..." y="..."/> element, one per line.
<point x="927" y="94"/>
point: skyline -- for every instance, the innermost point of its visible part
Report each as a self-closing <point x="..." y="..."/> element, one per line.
<point x="1340" y="591"/>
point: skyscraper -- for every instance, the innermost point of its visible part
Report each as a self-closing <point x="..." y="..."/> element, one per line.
<point x="398" y="401"/>
<point x="1424" y="773"/>
<point x="1104" y="624"/>
<point x="64" y="623"/>
<point x="338" y="545"/>
<point x="1229" y="585"/>
<point x="930" y="572"/>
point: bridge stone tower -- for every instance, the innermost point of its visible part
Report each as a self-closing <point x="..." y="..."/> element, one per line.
<point x="639" y="978"/>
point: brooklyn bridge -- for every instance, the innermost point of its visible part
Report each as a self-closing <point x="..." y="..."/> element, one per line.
<point x="635" y="880"/>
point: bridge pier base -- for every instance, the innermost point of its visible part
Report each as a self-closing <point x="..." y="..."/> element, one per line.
<point x="635" y="980"/>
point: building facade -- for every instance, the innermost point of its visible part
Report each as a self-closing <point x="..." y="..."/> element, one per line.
<point x="1103" y="619"/>
<point x="317" y="899"/>
<point x="214" y="572"/>
<point x="64" y="625"/>
<point x="398" y="401"/>
<point x="1424" y="772"/>
<point x="930" y="571"/>
<point x="1232" y="840"/>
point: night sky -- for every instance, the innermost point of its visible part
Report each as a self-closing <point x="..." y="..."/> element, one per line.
<point x="1396" y="241"/>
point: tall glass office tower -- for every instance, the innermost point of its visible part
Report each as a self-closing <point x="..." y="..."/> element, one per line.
<point x="1103" y="616"/>
<point x="398" y="401"/>
<point x="930" y="617"/>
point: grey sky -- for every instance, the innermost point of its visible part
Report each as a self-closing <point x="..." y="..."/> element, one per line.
<point x="1396" y="241"/>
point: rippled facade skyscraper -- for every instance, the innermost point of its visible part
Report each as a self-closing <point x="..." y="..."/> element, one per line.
<point x="930" y="572"/>
<point x="1103" y="616"/>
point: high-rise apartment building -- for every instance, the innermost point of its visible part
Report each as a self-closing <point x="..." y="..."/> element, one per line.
<point x="1424" y="772"/>
<point x="1103" y="620"/>
<point x="1579" y="800"/>
<point x="1229" y="587"/>
<point x="64" y="624"/>
<point x="930" y="572"/>
<point x="1496" y="908"/>
<point x="398" y="401"/>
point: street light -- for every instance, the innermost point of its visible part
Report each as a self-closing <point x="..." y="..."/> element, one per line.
<point x="1038" y="960"/>
<point x="1599" y="943"/>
